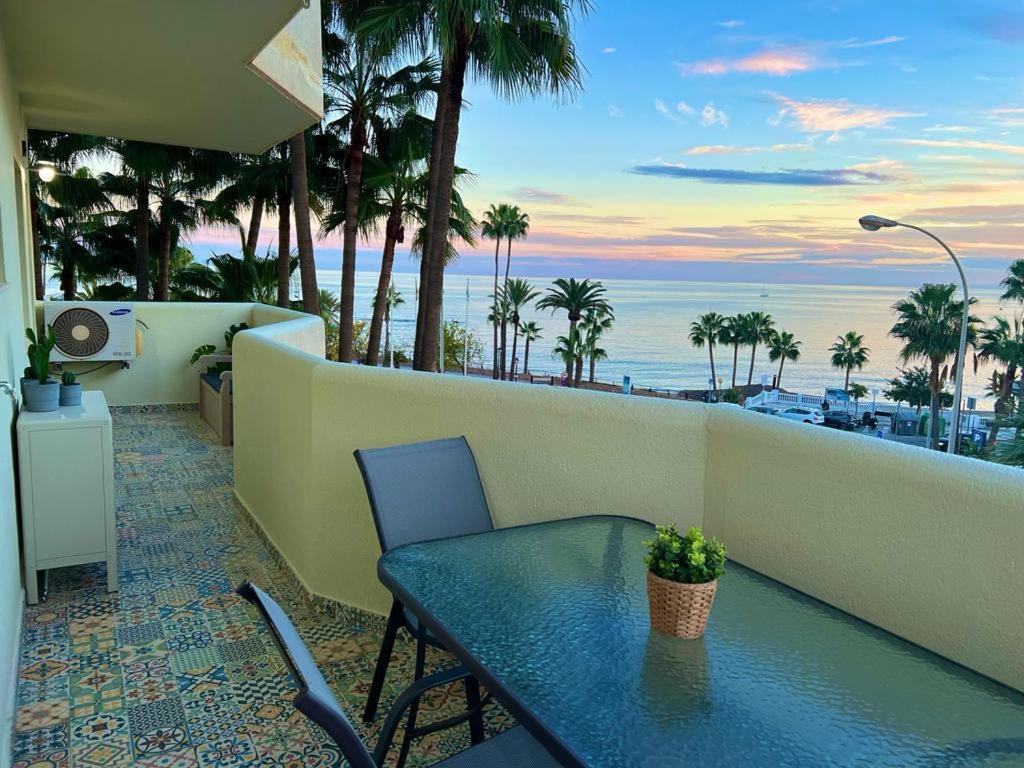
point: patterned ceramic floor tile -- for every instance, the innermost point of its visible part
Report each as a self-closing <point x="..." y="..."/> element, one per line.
<point x="175" y="670"/>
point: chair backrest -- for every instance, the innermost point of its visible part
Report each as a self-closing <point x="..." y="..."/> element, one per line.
<point x="314" y="698"/>
<point x="424" y="491"/>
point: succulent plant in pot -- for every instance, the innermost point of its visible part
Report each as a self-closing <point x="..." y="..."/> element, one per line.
<point x="42" y="393"/>
<point x="70" y="389"/>
<point x="682" y="578"/>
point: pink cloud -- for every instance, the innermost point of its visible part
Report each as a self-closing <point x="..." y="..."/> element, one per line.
<point x="778" y="62"/>
<point x="824" y="116"/>
<point x="987" y="146"/>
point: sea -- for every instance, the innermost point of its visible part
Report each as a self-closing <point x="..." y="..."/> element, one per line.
<point x="649" y="340"/>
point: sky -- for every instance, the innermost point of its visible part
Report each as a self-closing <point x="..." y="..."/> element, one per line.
<point x="741" y="141"/>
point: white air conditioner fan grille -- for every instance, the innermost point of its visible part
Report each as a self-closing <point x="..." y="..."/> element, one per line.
<point x="80" y="332"/>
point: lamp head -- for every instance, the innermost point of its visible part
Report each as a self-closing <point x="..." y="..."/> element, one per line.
<point x="874" y="223"/>
<point x="47" y="171"/>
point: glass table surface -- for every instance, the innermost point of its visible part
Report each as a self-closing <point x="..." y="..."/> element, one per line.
<point x="553" y="618"/>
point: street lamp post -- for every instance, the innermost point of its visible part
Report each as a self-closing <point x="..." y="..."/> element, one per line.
<point x="875" y="223"/>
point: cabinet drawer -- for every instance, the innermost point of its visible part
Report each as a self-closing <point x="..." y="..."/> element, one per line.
<point x="69" y="505"/>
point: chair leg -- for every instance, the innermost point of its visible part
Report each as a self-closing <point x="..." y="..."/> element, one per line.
<point x="410" y="726"/>
<point x="476" y="722"/>
<point x="387" y="645"/>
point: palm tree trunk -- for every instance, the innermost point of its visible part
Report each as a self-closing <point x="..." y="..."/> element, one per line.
<point x="68" y="283"/>
<point x="593" y="367"/>
<point x="380" y="300"/>
<point x="846" y="385"/>
<point x="579" y="371"/>
<point x="142" y="238"/>
<point x="504" y="347"/>
<point x="750" y="373"/>
<point x="515" y="343"/>
<point x="526" y="356"/>
<point x="252" y="237"/>
<point x="933" y="423"/>
<point x="508" y="263"/>
<point x="572" y="333"/>
<point x="442" y="208"/>
<point x="37" y="255"/>
<point x="304" y="234"/>
<point x="497" y="247"/>
<point x="735" y="362"/>
<point x="387" y="334"/>
<point x="714" y="378"/>
<point x="284" y="246"/>
<point x="350" y="233"/>
<point x="433" y="172"/>
<point x="164" y="259"/>
<point x="778" y="381"/>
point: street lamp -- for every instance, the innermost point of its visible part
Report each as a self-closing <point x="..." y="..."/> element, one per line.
<point x="875" y="223"/>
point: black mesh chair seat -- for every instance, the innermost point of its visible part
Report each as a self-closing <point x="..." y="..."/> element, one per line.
<point x="514" y="748"/>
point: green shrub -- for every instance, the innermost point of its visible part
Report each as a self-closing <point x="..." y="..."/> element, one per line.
<point x="689" y="559"/>
<point x="731" y="396"/>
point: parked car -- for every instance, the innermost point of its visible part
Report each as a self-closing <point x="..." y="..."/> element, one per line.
<point x="839" y="420"/>
<point x="802" y="413"/>
<point x="767" y="410"/>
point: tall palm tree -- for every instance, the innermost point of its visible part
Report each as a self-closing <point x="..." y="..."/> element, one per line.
<point x="493" y="228"/>
<point x="364" y="90"/>
<point x="303" y="229"/>
<point x="575" y="297"/>
<point x="758" y="328"/>
<point x="928" y="322"/>
<point x="1002" y="342"/>
<point x="391" y="300"/>
<point x="531" y="333"/>
<point x="518" y="293"/>
<point x="520" y="47"/>
<point x="517" y="225"/>
<point x="783" y="346"/>
<point x="849" y="352"/>
<point x="733" y="334"/>
<point x="594" y="324"/>
<point x="1013" y="283"/>
<point x="708" y="329"/>
<point x="569" y="350"/>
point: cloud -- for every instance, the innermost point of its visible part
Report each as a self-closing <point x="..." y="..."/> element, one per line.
<point x="785" y="177"/>
<point x="607" y="50"/>
<point x="538" y="195"/>
<point x="824" y="116"/>
<point x="614" y="111"/>
<point x="941" y="128"/>
<point x="709" y="116"/>
<point x="730" y="23"/>
<point x="857" y="43"/>
<point x="985" y="146"/>
<point x="682" y="110"/>
<point x="733" y="149"/>
<point x="778" y="62"/>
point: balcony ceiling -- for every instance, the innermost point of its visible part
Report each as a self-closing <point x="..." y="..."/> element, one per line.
<point x="217" y="74"/>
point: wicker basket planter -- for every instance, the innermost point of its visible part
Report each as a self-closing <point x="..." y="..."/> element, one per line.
<point x="679" y="610"/>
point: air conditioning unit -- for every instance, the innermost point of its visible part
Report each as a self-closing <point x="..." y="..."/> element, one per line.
<point x="91" y="330"/>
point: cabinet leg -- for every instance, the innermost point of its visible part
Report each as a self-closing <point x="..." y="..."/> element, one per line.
<point x="31" y="586"/>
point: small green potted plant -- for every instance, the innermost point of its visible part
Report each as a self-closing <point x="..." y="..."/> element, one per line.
<point x="210" y="349"/>
<point x="42" y="393"/>
<point x="682" y="577"/>
<point x="70" y="389"/>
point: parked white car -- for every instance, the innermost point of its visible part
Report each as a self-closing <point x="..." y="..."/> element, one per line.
<point x="767" y="410"/>
<point x="801" y="413"/>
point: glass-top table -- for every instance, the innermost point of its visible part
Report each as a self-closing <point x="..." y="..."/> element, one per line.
<point x="553" y="619"/>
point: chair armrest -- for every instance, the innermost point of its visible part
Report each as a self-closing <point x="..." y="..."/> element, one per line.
<point x="205" y="360"/>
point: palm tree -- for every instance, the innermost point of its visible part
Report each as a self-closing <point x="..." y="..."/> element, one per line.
<point x="518" y="293"/>
<point x="493" y="228"/>
<point x="783" y="346"/>
<point x="708" y="329"/>
<point x="733" y="333"/>
<point x="521" y="46"/>
<point x="576" y="297"/>
<point x="303" y="230"/>
<point x="391" y="300"/>
<point x="849" y="352"/>
<point x="363" y="92"/>
<point x="857" y="391"/>
<point x="594" y="325"/>
<point x="928" y="322"/>
<point x="224" y="277"/>
<point x="758" y="328"/>
<point x="1002" y="342"/>
<point x="1013" y="283"/>
<point x="531" y="332"/>
<point x="517" y="225"/>
<point x="569" y="350"/>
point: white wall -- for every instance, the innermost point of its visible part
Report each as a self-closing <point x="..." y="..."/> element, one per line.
<point x="14" y="316"/>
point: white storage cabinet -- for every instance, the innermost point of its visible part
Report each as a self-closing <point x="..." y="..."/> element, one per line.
<point x="66" y="468"/>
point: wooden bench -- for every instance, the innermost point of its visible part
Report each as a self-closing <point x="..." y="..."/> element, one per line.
<point x="215" y="397"/>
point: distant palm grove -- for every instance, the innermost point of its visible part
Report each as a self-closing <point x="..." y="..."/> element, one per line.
<point x="378" y="163"/>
